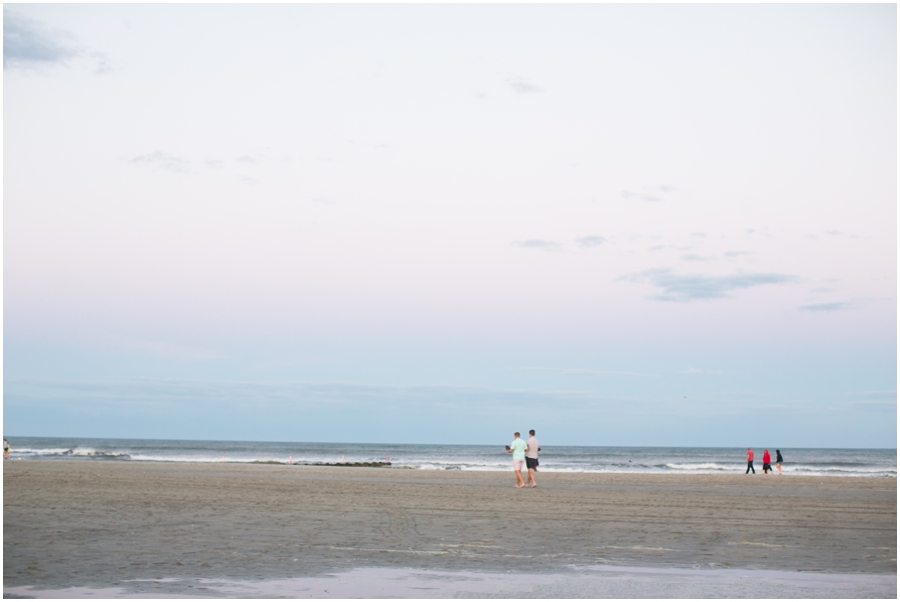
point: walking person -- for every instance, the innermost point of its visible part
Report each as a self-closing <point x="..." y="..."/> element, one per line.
<point x="531" y="457"/>
<point x="778" y="460"/>
<point x="517" y="449"/>
<point x="767" y="463"/>
<point x="5" y="449"/>
<point x="750" y="461"/>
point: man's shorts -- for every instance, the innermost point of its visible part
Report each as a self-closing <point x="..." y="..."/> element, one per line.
<point x="531" y="463"/>
<point x="518" y="464"/>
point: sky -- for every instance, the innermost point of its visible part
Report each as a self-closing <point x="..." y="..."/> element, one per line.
<point x="615" y="224"/>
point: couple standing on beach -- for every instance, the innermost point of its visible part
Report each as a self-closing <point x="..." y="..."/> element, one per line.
<point x="524" y="453"/>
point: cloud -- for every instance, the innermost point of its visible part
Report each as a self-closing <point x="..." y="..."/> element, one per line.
<point x="762" y="232"/>
<point x="874" y="400"/>
<point x="736" y="253"/>
<point x="180" y="394"/>
<point x="695" y="257"/>
<point x="890" y="395"/>
<point x="688" y="287"/>
<point x="163" y="349"/>
<point x="836" y="306"/>
<point x="164" y="161"/>
<point x="28" y="43"/>
<point x="661" y="187"/>
<point x="537" y="243"/>
<point x="522" y="86"/>
<point x="699" y="234"/>
<point x="823" y="290"/>
<point x="840" y="233"/>
<point x="103" y="65"/>
<point x="246" y="159"/>
<point x="582" y="371"/>
<point x="640" y="196"/>
<point x="590" y="241"/>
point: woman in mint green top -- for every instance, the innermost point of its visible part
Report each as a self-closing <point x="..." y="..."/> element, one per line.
<point x="517" y="449"/>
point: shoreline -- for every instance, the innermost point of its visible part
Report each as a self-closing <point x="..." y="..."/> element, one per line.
<point x="392" y="466"/>
<point x="106" y="524"/>
<point x="578" y="582"/>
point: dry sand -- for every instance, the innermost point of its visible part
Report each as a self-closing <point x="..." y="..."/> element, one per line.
<point x="103" y="524"/>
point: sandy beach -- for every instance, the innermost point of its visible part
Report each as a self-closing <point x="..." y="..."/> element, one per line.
<point x="106" y="524"/>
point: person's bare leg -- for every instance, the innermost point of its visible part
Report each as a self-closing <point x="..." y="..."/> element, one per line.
<point x="519" y="481"/>
<point x="531" y="477"/>
<point x="778" y="466"/>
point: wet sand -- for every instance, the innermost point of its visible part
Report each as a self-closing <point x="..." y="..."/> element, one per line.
<point x="105" y="524"/>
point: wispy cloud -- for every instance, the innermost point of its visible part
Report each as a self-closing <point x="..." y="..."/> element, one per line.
<point x="162" y="349"/>
<point x="841" y="233"/>
<point x="874" y="400"/>
<point x="627" y="195"/>
<point x="164" y="161"/>
<point x="103" y="64"/>
<point x="695" y="257"/>
<point x="835" y="306"/>
<point x="522" y="86"/>
<point x="28" y="43"/>
<point x="538" y="243"/>
<point x="179" y="395"/>
<point x="590" y="241"/>
<point x="688" y="287"/>
<point x="760" y="231"/>
<point x="736" y="253"/>
<point x="581" y="371"/>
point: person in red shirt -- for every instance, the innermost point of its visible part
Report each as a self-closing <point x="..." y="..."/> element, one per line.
<point x="750" y="461"/>
<point x="767" y="463"/>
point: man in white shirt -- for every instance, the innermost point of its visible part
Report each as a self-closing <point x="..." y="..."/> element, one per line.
<point x="531" y="459"/>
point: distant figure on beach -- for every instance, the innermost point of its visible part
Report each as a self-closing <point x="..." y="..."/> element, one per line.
<point x="517" y="449"/>
<point x="750" y="461"/>
<point x="5" y="449"/>
<point x="767" y="462"/>
<point x="778" y="460"/>
<point x="531" y="457"/>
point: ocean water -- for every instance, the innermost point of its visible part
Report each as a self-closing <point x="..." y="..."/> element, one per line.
<point x="665" y="460"/>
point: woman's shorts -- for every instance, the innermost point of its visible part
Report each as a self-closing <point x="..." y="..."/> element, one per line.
<point x="531" y="463"/>
<point x="767" y="467"/>
<point x="518" y="464"/>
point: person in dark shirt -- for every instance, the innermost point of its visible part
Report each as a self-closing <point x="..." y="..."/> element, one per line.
<point x="778" y="460"/>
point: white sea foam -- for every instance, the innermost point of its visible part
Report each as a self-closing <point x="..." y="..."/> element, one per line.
<point x="705" y="466"/>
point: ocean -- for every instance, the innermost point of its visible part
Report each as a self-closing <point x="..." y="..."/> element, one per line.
<point x="659" y="460"/>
